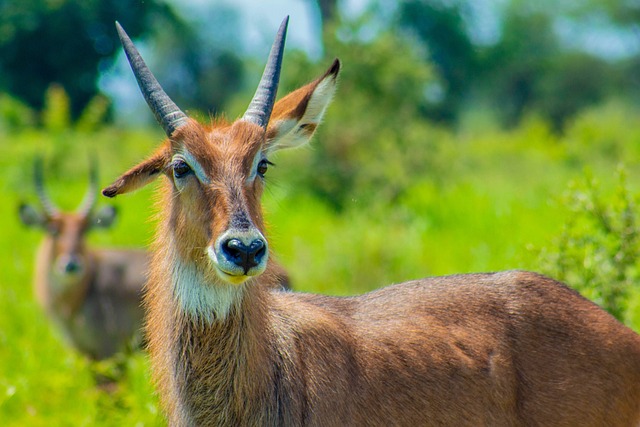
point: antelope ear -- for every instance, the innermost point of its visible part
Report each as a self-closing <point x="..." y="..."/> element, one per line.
<point x="30" y="216"/>
<point x="296" y="116"/>
<point x="105" y="217"/>
<point x="139" y="175"/>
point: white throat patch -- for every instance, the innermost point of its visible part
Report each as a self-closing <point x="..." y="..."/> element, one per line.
<point x="202" y="300"/>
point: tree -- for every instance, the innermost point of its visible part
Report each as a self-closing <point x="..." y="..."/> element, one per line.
<point x="66" y="42"/>
<point x="440" y="27"/>
<point x="373" y="138"/>
<point x="198" y="63"/>
<point x="530" y="69"/>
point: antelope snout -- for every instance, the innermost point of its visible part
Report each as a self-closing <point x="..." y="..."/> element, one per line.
<point x="70" y="265"/>
<point x="240" y="255"/>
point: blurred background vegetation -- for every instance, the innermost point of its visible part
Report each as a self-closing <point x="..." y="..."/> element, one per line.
<point x="465" y="136"/>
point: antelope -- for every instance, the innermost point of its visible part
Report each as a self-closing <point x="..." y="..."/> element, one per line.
<point x="492" y="349"/>
<point x="93" y="295"/>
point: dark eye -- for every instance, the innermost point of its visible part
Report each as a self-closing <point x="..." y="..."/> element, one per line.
<point x="53" y="229"/>
<point x="263" y="166"/>
<point x="180" y="168"/>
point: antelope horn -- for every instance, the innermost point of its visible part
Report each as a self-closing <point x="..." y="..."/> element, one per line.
<point x="164" y="109"/>
<point x="49" y="207"/>
<point x="259" y="110"/>
<point x="89" y="199"/>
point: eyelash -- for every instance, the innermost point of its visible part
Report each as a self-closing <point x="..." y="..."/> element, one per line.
<point x="266" y="164"/>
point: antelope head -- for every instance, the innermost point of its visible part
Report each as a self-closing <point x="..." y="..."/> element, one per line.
<point x="215" y="173"/>
<point x="66" y="230"/>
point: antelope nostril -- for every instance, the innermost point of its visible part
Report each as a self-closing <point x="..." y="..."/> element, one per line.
<point x="72" y="265"/>
<point x="234" y="249"/>
<point x="256" y="246"/>
<point x="258" y="249"/>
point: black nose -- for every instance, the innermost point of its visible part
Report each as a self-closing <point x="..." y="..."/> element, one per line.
<point x="72" y="265"/>
<point x="242" y="255"/>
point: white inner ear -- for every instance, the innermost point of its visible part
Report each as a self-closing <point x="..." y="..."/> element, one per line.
<point x="290" y="132"/>
<point x="31" y="216"/>
<point x="285" y="135"/>
<point x="319" y="101"/>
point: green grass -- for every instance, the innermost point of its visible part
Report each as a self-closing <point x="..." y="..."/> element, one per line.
<point x="495" y="201"/>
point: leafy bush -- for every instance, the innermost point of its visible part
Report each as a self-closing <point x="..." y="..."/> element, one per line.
<point x="14" y="115"/>
<point x="374" y="139"/>
<point x="597" y="250"/>
<point x="56" y="115"/>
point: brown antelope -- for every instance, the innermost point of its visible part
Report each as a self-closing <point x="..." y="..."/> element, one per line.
<point x="496" y="349"/>
<point x="94" y="295"/>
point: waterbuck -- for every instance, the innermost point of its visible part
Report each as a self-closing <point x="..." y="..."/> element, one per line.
<point x="94" y="295"/>
<point x="498" y="349"/>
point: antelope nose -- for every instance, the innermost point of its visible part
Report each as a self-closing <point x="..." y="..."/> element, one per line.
<point x="71" y="264"/>
<point x="245" y="256"/>
<point x="72" y="267"/>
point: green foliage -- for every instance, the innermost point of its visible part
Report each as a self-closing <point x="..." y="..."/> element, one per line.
<point x="94" y="114"/>
<point x="597" y="130"/>
<point x="597" y="250"/>
<point x="198" y="62"/>
<point x="527" y="66"/>
<point x="14" y="115"/>
<point x="441" y="27"/>
<point x="530" y="68"/>
<point x="56" y="116"/>
<point x="373" y="138"/>
<point x="67" y="42"/>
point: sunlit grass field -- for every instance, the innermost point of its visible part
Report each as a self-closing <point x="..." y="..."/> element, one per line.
<point x="497" y="203"/>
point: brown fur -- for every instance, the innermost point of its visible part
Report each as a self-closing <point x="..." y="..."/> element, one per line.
<point x="500" y="349"/>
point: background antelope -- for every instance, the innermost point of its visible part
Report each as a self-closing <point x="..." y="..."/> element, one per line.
<point x="498" y="349"/>
<point x="94" y="295"/>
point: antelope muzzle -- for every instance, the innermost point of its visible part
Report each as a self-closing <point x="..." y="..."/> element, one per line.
<point x="240" y="254"/>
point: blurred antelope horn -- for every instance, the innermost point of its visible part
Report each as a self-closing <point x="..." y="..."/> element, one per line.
<point x="259" y="110"/>
<point x="89" y="199"/>
<point x="164" y="109"/>
<point x="49" y="207"/>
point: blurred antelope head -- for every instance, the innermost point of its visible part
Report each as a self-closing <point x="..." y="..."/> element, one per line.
<point x="67" y="230"/>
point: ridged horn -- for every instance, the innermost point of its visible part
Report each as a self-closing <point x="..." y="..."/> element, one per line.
<point x="89" y="199"/>
<point x="164" y="109"/>
<point x="49" y="207"/>
<point x="259" y="110"/>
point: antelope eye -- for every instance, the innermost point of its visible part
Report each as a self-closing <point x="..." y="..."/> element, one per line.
<point x="53" y="229"/>
<point x="263" y="166"/>
<point x="180" y="168"/>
